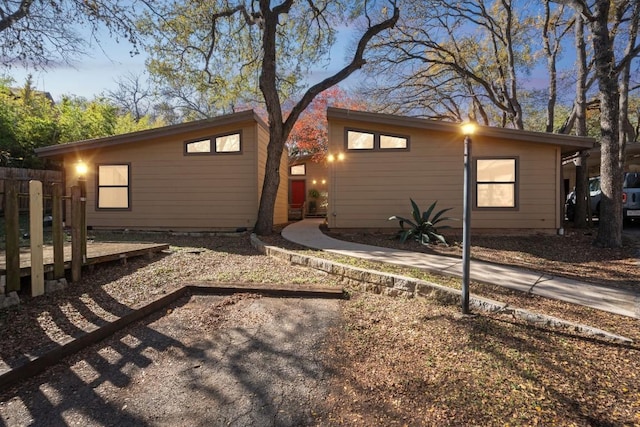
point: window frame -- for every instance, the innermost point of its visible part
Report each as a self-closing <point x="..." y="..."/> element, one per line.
<point x="298" y="174"/>
<point x="515" y="183"/>
<point x="128" y="187"/>
<point x="376" y="141"/>
<point x="213" y="149"/>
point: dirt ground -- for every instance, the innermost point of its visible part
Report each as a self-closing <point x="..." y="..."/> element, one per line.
<point x="369" y="360"/>
<point x="212" y="361"/>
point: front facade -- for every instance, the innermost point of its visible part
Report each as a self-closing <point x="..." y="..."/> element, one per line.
<point x="199" y="176"/>
<point x="387" y="160"/>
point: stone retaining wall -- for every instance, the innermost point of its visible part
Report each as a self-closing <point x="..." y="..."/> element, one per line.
<point x="396" y="285"/>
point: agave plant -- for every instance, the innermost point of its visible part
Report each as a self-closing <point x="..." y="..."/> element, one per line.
<point x="422" y="227"/>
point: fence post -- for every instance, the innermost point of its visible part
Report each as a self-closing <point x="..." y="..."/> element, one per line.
<point x="12" y="232"/>
<point x="57" y="231"/>
<point x="36" y="238"/>
<point x="82" y="183"/>
<point x="76" y="234"/>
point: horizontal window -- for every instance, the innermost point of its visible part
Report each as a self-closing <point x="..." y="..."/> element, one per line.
<point x="496" y="183"/>
<point x="360" y="140"/>
<point x="113" y="187"/>
<point x="364" y="140"/>
<point x="227" y="143"/>
<point x="203" y="146"/>
<point x="298" y="170"/>
<point x="397" y="142"/>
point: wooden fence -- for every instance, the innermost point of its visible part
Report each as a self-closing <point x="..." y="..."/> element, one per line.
<point x="36" y="199"/>
<point x="22" y="177"/>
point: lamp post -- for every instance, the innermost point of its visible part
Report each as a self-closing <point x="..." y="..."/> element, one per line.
<point x="467" y="129"/>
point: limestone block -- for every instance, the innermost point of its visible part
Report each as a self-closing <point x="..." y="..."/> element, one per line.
<point x="54" y="285"/>
<point x="404" y="284"/>
<point x="7" y="301"/>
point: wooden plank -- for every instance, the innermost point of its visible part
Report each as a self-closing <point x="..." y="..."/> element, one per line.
<point x="76" y="234"/>
<point x="36" y="238"/>
<point x="97" y="253"/>
<point x="57" y="231"/>
<point x="12" y="233"/>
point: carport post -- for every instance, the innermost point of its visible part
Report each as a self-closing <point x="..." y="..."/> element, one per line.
<point x="468" y="130"/>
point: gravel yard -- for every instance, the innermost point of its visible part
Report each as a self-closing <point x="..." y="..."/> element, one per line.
<point x="370" y="360"/>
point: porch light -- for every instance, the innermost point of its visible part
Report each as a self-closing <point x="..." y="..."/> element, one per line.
<point x="81" y="168"/>
<point x="335" y="157"/>
<point x="467" y="129"/>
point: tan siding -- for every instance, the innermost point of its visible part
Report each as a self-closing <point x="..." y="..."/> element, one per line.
<point x="371" y="186"/>
<point x="172" y="191"/>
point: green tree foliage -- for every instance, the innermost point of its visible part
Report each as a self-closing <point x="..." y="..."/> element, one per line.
<point x="29" y="119"/>
<point x="27" y="122"/>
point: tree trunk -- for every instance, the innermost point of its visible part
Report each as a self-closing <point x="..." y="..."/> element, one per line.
<point x="610" y="226"/>
<point x="582" y="218"/>
<point x="264" y="224"/>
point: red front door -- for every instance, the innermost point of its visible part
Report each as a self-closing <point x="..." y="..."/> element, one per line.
<point x="297" y="193"/>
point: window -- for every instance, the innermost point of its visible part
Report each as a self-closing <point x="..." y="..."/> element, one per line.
<point x="298" y="170"/>
<point x="496" y="183"/>
<point x="113" y="186"/>
<point x="227" y="143"/>
<point x="387" y="141"/>
<point x="203" y="146"/>
<point x="361" y="140"/>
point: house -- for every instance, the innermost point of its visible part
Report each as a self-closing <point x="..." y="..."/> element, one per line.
<point x="517" y="181"/>
<point x="204" y="175"/>
<point x="308" y="183"/>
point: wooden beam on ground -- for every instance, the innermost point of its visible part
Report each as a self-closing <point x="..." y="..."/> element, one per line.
<point x="12" y="234"/>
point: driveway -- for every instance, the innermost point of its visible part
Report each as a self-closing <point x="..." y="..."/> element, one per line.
<point x="207" y="360"/>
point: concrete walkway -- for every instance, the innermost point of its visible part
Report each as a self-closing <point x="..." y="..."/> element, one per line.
<point x="626" y="303"/>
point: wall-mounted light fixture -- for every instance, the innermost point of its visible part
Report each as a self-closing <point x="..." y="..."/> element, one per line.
<point x="81" y="168"/>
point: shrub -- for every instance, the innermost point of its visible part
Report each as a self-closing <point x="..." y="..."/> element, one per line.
<point x="423" y="227"/>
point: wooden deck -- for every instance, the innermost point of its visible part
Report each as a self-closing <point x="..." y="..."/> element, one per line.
<point x="97" y="252"/>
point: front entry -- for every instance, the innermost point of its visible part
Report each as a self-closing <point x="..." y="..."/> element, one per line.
<point x="298" y="193"/>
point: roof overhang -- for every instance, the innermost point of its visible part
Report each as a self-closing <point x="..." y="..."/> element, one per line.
<point x="145" y="135"/>
<point x="567" y="143"/>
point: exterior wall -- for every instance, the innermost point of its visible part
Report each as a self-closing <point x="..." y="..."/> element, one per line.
<point x="370" y="186"/>
<point x="169" y="190"/>
<point x="316" y="177"/>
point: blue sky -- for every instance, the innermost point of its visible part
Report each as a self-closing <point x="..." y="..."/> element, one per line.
<point x="98" y="72"/>
<point x="89" y="76"/>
